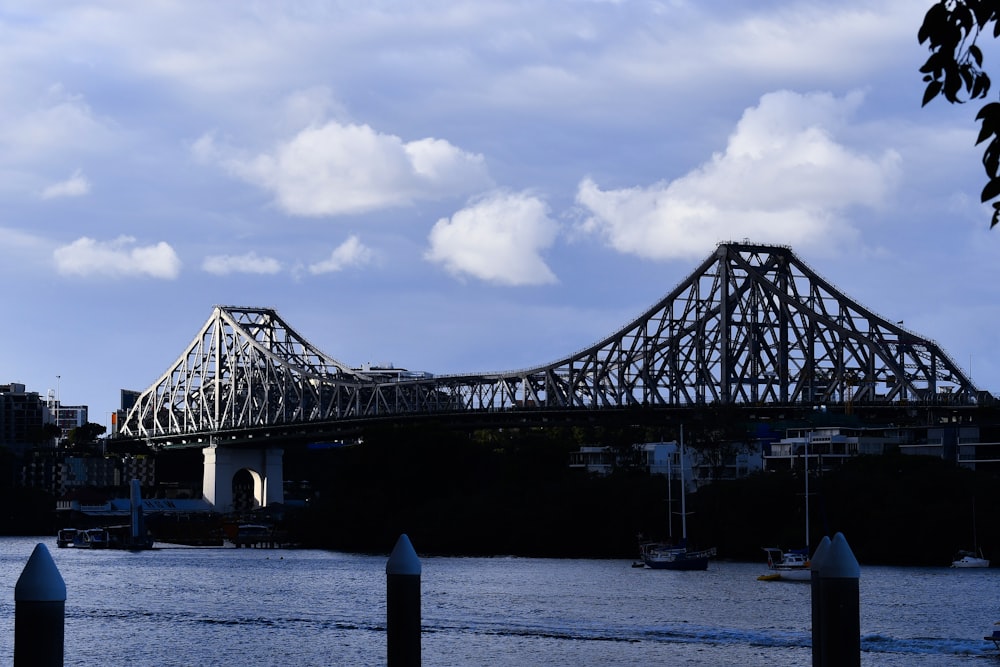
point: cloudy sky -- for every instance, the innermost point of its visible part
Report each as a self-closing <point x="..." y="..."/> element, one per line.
<point x="460" y="187"/>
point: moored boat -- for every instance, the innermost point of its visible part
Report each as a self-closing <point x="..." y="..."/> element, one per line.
<point x="792" y="565"/>
<point x="995" y="637"/>
<point x="974" y="558"/>
<point x="91" y="538"/>
<point x="667" y="556"/>
<point x="970" y="559"/>
<point x="66" y="537"/>
<point x="787" y="565"/>
<point x="125" y="538"/>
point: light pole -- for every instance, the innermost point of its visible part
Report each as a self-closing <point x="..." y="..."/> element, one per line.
<point x="58" y="410"/>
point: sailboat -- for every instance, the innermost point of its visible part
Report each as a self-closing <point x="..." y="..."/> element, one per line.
<point x="791" y="565"/>
<point x="667" y="556"/>
<point x="975" y="557"/>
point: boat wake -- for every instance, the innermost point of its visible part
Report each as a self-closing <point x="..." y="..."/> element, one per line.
<point x="688" y="634"/>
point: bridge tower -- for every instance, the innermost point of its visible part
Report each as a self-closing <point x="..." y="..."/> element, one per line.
<point x="222" y="463"/>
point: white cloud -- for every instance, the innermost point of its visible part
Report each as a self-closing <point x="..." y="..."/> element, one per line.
<point x="336" y="169"/>
<point x="76" y="185"/>
<point x="117" y="258"/>
<point x="497" y="239"/>
<point x="60" y="124"/>
<point x="247" y="263"/>
<point x="783" y="178"/>
<point x="349" y="253"/>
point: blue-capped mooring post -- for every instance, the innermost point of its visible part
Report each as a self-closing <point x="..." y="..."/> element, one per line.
<point x="840" y="608"/>
<point x="39" y="612"/>
<point x="403" y="605"/>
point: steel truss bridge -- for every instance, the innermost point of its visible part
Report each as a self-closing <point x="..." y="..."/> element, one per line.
<point x="753" y="325"/>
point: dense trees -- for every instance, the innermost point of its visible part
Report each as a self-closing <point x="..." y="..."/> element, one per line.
<point x="512" y="492"/>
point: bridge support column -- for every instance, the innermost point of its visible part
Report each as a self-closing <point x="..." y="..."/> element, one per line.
<point x="265" y="466"/>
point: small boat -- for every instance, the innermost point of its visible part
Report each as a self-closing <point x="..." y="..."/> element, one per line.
<point x="255" y="535"/>
<point x="791" y="565"/>
<point x="65" y="537"/>
<point x="970" y="559"/>
<point x="125" y="538"/>
<point x="787" y="565"/>
<point x="91" y="538"/>
<point x="657" y="556"/>
<point x="995" y="637"/>
<point x="975" y="557"/>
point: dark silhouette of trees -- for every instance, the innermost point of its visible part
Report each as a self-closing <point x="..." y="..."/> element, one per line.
<point x="85" y="435"/>
<point x="955" y="69"/>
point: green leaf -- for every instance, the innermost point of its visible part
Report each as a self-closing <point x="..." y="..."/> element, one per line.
<point x="934" y="19"/>
<point x="963" y="17"/>
<point x="991" y="191"/>
<point x="985" y="132"/>
<point x="991" y="158"/>
<point x="933" y="88"/>
<point x="932" y="64"/>
<point x="976" y="54"/>
<point x="985" y="12"/>
<point x="952" y="83"/>
<point x="967" y="76"/>
<point x="981" y="86"/>
<point x="991" y="111"/>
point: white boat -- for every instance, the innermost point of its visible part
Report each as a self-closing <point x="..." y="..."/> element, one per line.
<point x="787" y="565"/>
<point x="791" y="565"/>
<point x="970" y="559"/>
<point x="975" y="557"/>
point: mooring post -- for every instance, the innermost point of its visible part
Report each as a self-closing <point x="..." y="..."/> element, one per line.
<point x="840" y="628"/>
<point x="39" y="612"/>
<point x="403" y="605"/>
<point x="817" y="608"/>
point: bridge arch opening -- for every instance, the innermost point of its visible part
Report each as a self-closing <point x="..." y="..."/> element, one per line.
<point x="238" y="478"/>
<point x="248" y="490"/>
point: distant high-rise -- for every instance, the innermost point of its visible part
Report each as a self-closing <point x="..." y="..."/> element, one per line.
<point x="22" y="416"/>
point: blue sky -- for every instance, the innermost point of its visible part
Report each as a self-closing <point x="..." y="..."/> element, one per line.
<point x="462" y="187"/>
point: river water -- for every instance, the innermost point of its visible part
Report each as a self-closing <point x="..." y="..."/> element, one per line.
<point x="248" y="607"/>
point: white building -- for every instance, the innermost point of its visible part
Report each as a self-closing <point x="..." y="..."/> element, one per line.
<point x="831" y="446"/>
<point x="664" y="458"/>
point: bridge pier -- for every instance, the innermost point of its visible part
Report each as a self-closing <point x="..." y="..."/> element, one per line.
<point x="265" y="466"/>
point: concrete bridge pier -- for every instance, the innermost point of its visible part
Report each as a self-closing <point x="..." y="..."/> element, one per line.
<point x="265" y="466"/>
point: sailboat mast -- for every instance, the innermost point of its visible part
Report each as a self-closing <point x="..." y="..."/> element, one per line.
<point x="975" y="533"/>
<point x="684" y="524"/>
<point x="808" y="440"/>
<point x="670" y="500"/>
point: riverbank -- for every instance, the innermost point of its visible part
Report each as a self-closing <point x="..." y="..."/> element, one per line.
<point x="513" y="493"/>
<point x="517" y="496"/>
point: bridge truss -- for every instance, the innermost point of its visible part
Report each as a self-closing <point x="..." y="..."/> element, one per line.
<point x="751" y="325"/>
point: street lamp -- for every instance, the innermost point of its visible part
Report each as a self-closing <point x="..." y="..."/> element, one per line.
<point x="58" y="409"/>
